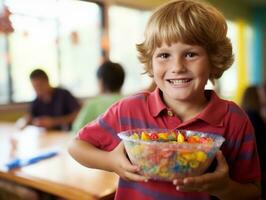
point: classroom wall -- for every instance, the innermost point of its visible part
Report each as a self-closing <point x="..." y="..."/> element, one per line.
<point x="259" y="61"/>
<point x="233" y="10"/>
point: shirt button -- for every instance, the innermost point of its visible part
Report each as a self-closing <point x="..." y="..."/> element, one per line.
<point x="170" y="113"/>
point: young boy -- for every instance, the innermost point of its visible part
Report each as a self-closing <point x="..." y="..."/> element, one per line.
<point x="185" y="46"/>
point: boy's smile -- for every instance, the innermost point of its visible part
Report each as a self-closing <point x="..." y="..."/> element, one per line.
<point x="181" y="71"/>
<point x="181" y="82"/>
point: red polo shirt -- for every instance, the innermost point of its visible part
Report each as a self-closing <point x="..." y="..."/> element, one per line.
<point x="147" y="110"/>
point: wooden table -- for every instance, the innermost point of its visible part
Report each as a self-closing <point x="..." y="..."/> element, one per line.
<point x="59" y="175"/>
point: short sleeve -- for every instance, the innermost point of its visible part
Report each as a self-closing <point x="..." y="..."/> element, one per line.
<point x="244" y="161"/>
<point x="102" y="132"/>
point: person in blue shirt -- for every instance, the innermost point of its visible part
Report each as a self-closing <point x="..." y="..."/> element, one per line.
<point x="53" y="107"/>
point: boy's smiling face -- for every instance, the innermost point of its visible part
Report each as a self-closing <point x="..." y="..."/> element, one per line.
<point x="181" y="71"/>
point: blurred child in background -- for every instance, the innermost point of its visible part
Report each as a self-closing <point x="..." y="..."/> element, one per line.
<point x="262" y="97"/>
<point x="252" y="103"/>
<point x="110" y="81"/>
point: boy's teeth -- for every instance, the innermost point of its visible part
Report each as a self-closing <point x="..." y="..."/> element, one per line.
<point x="179" y="81"/>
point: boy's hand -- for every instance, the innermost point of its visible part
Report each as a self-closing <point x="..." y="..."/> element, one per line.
<point x="122" y="166"/>
<point x="209" y="182"/>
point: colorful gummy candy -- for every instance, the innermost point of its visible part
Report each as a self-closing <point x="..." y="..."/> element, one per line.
<point x="172" y="136"/>
<point x="161" y="157"/>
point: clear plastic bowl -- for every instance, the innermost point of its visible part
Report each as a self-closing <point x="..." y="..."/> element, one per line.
<point x="165" y="159"/>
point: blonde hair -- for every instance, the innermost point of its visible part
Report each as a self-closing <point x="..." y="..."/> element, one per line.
<point x="190" y="22"/>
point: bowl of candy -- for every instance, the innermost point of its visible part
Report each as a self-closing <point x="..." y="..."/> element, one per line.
<point x="169" y="154"/>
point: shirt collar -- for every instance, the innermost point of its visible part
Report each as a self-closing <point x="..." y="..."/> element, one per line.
<point x="155" y="103"/>
<point x="213" y="113"/>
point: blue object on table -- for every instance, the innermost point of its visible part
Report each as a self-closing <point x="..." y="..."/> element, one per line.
<point x="16" y="163"/>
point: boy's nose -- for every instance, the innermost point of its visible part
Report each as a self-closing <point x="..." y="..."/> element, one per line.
<point x="178" y="66"/>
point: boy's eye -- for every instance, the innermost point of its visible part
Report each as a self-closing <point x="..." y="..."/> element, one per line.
<point x="163" y="55"/>
<point x="190" y="54"/>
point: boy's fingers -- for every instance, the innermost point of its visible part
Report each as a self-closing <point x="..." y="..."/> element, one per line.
<point x="183" y="189"/>
<point x="193" y="188"/>
<point x="135" y="177"/>
<point x="188" y="184"/>
<point x="127" y="166"/>
<point x="178" y="182"/>
<point x="199" y="180"/>
<point x="222" y="164"/>
<point x="186" y="189"/>
<point x="208" y="181"/>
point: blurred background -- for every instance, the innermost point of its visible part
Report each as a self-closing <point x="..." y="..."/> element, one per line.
<point x="68" y="39"/>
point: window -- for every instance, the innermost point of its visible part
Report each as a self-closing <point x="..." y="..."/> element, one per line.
<point x="228" y="81"/>
<point x="236" y="78"/>
<point x="61" y="37"/>
<point x="80" y="46"/>
<point x="3" y="63"/>
<point x="126" y="29"/>
<point x="3" y="71"/>
<point x="31" y="46"/>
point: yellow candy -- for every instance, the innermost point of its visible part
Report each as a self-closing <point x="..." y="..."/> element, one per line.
<point x="189" y="156"/>
<point x="180" y="138"/>
<point x="164" y="174"/>
<point x="135" y="136"/>
<point x="144" y="136"/>
<point x="193" y="163"/>
<point x="201" y="156"/>
<point x="162" y="136"/>
<point x="135" y="150"/>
